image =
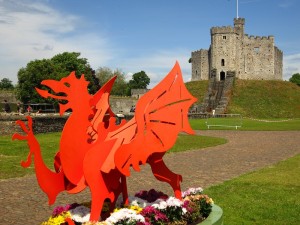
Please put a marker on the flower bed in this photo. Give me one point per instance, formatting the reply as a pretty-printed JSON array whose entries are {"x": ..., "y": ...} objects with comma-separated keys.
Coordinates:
[{"x": 145, "y": 208}]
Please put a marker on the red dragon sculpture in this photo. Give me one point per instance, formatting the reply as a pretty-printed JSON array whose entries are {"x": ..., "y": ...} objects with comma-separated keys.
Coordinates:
[{"x": 94, "y": 152}]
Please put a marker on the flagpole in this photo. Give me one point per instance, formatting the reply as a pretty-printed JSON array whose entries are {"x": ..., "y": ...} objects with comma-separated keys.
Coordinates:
[{"x": 237, "y": 9}]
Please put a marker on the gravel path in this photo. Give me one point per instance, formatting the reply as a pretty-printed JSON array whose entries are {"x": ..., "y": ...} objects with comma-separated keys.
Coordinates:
[{"x": 23, "y": 203}]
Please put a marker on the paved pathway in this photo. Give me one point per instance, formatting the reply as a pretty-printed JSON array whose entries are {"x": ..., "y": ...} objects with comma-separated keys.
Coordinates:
[{"x": 23, "y": 203}]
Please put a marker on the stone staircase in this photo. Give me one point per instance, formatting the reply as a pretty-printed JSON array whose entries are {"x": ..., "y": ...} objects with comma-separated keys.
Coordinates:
[{"x": 218, "y": 94}]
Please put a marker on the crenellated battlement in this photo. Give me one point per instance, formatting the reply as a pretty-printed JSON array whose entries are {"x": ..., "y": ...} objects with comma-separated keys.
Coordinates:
[
  {"x": 221, "y": 30},
  {"x": 252, "y": 37},
  {"x": 200, "y": 51},
  {"x": 239, "y": 21}
]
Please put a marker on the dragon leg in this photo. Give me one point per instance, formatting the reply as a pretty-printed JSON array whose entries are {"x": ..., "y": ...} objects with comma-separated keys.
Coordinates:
[
  {"x": 163, "y": 173},
  {"x": 51, "y": 183},
  {"x": 116, "y": 183},
  {"x": 122, "y": 188},
  {"x": 95, "y": 179},
  {"x": 99, "y": 192}
]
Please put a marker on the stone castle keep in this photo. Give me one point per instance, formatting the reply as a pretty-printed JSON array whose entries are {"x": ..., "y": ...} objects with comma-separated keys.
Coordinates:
[{"x": 248, "y": 57}]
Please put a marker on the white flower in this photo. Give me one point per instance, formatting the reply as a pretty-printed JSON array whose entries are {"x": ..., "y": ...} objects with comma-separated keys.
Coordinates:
[
  {"x": 160, "y": 204},
  {"x": 80, "y": 214},
  {"x": 125, "y": 214},
  {"x": 172, "y": 201},
  {"x": 135, "y": 201},
  {"x": 192, "y": 191}
]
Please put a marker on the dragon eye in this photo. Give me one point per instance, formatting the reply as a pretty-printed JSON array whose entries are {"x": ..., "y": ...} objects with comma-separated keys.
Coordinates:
[{"x": 67, "y": 84}]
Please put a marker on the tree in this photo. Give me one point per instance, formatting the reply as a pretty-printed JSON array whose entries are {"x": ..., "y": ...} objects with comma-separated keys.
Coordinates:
[
  {"x": 295, "y": 79},
  {"x": 120, "y": 85},
  {"x": 55, "y": 68},
  {"x": 68, "y": 62},
  {"x": 30, "y": 77},
  {"x": 6, "y": 83},
  {"x": 139, "y": 80},
  {"x": 104, "y": 74}
]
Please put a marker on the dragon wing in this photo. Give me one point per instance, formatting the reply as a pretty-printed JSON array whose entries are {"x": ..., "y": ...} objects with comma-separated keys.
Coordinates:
[
  {"x": 160, "y": 115},
  {"x": 101, "y": 110}
]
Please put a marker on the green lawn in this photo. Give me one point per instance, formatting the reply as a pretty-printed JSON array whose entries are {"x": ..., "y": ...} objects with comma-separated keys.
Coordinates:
[
  {"x": 13, "y": 152},
  {"x": 268, "y": 196},
  {"x": 247, "y": 124}
]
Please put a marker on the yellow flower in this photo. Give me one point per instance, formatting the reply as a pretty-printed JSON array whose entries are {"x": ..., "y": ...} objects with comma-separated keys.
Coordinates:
[
  {"x": 116, "y": 209},
  {"x": 60, "y": 219},
  {"x": 96, "y": 223},
  {"x": 136, "y": 208}
]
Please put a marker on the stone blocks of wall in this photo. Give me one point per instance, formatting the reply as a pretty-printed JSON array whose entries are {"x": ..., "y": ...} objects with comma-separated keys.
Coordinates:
[
  {"x": 45, "y": 123},
  {"x": 41, "y": 123},
  {"x": 200, "y": 65},
  {"x": 122, "y": 105}
]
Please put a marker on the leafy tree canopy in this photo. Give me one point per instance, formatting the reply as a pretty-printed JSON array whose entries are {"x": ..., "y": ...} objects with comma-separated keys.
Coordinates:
[
  {"x": 295, "y": 79},
  {"x": 55, "y": 68},
  {"x": 139, "y": 80},
  {"x": 6, "y": 83},
  {"x": 104, "y": 74}
]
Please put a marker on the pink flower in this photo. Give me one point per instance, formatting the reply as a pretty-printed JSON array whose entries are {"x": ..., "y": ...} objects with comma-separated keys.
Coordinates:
[{"x": 154, "y": 216}]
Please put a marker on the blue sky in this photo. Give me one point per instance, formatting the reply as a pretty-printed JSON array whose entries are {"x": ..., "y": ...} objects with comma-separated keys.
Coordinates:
[{"x": 135, "y": 35}]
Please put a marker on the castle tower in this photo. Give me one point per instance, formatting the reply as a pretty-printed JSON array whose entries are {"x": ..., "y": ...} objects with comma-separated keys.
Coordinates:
[
  {"x": 239, "y": 24},
  {"x": 254, "y": 58},
  {"x": 223, "y": 50},
  {"x": 200, "y": 64}
]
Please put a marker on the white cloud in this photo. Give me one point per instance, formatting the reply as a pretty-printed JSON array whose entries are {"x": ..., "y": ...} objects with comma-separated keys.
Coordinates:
[
  {"x": 291, "y": 65},
  {"x": 159, "y": 64},
  {"x": 32, "y": 30}
]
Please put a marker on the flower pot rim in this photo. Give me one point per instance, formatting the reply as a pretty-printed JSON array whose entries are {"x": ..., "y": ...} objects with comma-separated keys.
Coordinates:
[{"x": 215, "y": 217}]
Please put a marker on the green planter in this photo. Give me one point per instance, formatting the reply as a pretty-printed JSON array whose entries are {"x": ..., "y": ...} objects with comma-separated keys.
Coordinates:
[{"x": 215, "y": 217}]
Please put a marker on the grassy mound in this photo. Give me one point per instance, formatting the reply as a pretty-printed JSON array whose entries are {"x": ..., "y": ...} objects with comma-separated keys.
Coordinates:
[
  {"x": 258, "y": 98},
  {"x": 265, "y": 99},
  {"x": 198, "y": 89}
]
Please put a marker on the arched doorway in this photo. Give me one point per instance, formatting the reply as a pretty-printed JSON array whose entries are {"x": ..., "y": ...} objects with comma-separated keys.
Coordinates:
[{"x": 222, "y": 75}]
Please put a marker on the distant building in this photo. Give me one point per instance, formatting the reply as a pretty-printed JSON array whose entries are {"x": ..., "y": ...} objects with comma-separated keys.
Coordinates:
[
  {"x": 138, "y": 93},
  {"x": 253, "y": 58}
]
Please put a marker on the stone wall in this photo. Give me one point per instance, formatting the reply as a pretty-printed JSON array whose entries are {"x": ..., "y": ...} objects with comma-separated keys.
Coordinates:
[
  {"x": 7, "y": 95},
  {"x": 278, "y": 62},
  {"x": 138, "y": 93},
  {"x": 258, "y": 57},
  {"x": 122, "y": 105},
  {"x": 118, "y": 104},
  {"x": 200, "y": 65},
  {"x": 43, "y": 123}
]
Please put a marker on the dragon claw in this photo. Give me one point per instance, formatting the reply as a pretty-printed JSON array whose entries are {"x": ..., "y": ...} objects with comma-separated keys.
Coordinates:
[
  {"x": 24, "y": 128},
  {"x": 19, "y": 137}
]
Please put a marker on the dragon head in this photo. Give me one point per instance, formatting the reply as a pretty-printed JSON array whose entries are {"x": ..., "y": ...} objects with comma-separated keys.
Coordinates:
[{"x": 69, "y": 90}]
